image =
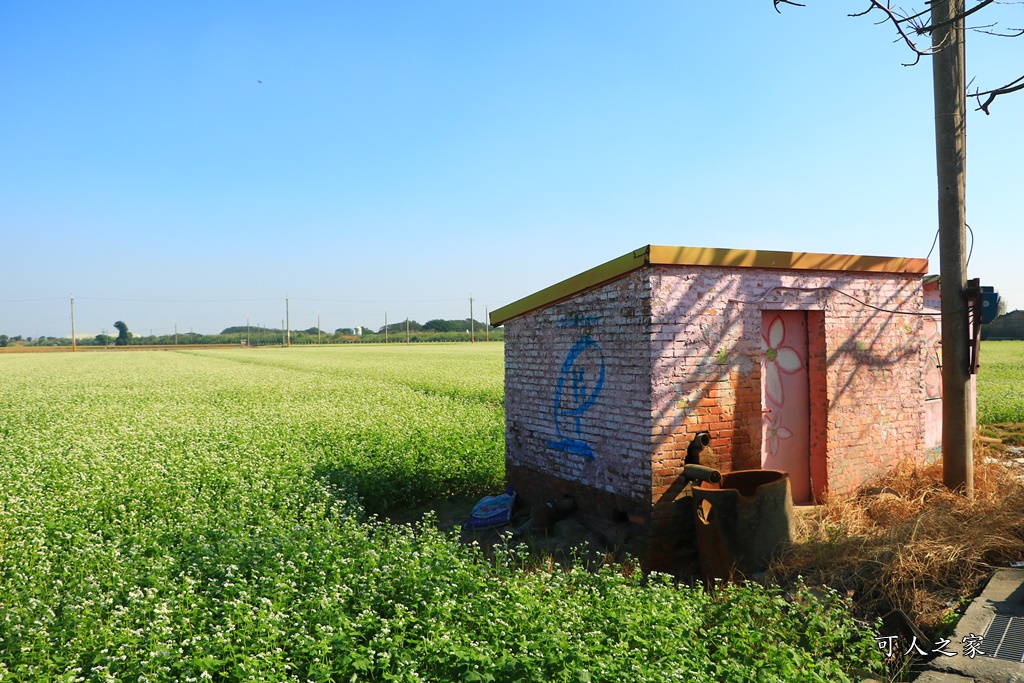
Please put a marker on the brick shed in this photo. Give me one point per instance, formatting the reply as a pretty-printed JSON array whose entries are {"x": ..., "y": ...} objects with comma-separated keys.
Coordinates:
[{"x": 785, "y": 359}]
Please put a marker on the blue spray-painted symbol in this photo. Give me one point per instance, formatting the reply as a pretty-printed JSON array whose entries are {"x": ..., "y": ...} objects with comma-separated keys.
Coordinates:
[{"x": 570, "y": 405}]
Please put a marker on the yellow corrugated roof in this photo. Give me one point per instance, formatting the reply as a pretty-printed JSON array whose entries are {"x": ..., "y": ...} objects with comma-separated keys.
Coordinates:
[{"x": 655, "y": 255}]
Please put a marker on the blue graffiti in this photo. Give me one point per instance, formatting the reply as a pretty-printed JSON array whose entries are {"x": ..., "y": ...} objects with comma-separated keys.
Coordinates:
[
  {"x": 570, "y": 406},
  {"x": 578, "y": 320}
]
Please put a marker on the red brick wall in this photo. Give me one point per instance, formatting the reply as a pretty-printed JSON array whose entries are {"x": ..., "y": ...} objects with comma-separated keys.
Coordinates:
[{"x": 817, "y": 377}]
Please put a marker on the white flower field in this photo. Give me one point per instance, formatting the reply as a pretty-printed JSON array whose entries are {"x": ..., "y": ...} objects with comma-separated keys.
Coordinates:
[{"x": 209, "y": 515}]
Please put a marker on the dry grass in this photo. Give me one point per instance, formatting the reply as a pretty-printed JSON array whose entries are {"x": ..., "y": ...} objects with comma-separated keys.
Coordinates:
[{"x": 906, "y": 541}]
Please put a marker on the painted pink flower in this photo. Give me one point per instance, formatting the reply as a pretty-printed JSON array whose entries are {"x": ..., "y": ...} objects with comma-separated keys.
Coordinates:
[
  {"x": 778, "y": 360},
  {"x": 774, "y": 432}
]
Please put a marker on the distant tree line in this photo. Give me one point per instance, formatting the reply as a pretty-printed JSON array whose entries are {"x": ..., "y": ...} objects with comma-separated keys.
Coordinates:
[
  {"x": 254, "y": 335},
  {"x": 19, "y": 340}
]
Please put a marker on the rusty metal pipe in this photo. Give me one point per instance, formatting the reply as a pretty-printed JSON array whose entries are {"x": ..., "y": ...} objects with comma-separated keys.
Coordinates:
[
  {"x": 702, "y": 473},
  {"x": 701, "y": 440}
]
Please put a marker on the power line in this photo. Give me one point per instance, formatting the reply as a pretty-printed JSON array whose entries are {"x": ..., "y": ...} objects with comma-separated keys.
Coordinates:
[
  {"x": 171, "y": 301},
  {"x": 378, "y": 301},
  {"x": 837, "y": 291}
]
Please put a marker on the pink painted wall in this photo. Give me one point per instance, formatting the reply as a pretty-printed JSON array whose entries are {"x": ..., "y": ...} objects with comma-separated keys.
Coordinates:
[
  {"x": 604, "y": 391},
  {"x": 708, "y": 355}
]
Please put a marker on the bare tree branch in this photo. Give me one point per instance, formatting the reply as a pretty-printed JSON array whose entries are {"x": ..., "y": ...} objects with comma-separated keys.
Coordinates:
[
  {"x": 901, "y": 21},
  {"x": 786, "y": 2},
  {"x": 1017, "y": 32},
  {"x": 913, "y": 17},
  {"x": 910, "y": 25},
  {"x": 1012, "y": 86},
  {"x": 894, "y": 16},
  {"x": 921, "y": 30}
]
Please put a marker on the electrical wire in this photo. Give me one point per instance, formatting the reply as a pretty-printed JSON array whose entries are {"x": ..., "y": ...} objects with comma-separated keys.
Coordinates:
[
  {"x": 219, "y": 301},
  {"x": 174, "y": 301},
  {"x": 934, "y": 242},
  {"x": 380, "y": 301},
  {"x": 838, "y": 291},
  {"x": 969, "y": 251}
]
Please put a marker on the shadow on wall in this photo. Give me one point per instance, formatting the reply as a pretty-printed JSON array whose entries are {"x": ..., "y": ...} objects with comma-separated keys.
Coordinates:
[{"x": 714, "y": 370}]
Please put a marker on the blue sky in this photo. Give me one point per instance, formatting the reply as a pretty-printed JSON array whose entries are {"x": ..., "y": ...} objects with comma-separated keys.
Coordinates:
[{"x": 407, "y": 155}]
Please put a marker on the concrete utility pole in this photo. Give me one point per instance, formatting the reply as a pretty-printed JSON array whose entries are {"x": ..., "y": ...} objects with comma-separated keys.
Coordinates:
[
  {"x": 472, "y": 332},
  {"x": 951, "y": 164},
  {"x": 318, "y": 327},
  {"x": 407, "y": 329},
  {"x": 74, "y": 346},
  {"x": 385, "y": 326},
  {"x": 288, "y": 323},
  {"x": 246, "y": 331},
  {"x": 487, "y": 324}
]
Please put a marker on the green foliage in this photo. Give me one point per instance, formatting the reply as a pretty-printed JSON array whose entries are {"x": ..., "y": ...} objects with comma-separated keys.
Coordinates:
[
  {"x": 204, "y": 524},
  {"x": 400, "y": 327},
  {"x": 123, "y": 336},
  {"x": 431, "y": 336},
  {"x": 759, "y": 634},
  {"x": 437, "y": 325},
  {"x": 453, "y": 325},
  {"x": 1001, "y": 382}
]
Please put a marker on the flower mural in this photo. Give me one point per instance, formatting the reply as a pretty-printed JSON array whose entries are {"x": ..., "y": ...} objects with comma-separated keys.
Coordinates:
[
  {"x": 778, "y": 360},
  {"x": 785, "y": 398},
  {"x": 774, "y": 432}
]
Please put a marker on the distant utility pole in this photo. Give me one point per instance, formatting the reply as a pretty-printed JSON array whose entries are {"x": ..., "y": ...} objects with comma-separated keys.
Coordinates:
[
  {"x": 385, "y": 326},
  {"x": 472, "y": 332},
  {"x": 175, "y": 332},
  {"x": 73, "y": 344},
  {"x": 406, "y": 329},
  {"x": 318, "y": 327},
  {"x": 487, "y": 325},
  {"x": 288, "y": 323},
  {"x": 247, "y": 330}
]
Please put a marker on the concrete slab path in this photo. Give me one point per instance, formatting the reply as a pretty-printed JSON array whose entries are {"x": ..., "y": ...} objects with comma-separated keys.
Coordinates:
[{"x": 988, "y": 643}]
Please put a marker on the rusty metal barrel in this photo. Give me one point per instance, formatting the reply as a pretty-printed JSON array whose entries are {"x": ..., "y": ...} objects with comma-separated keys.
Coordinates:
[{"x": 743, "y": 521}]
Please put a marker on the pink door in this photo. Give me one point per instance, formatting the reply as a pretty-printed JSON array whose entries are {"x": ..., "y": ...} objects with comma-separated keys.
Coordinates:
[{"x": 785, "y": 404}]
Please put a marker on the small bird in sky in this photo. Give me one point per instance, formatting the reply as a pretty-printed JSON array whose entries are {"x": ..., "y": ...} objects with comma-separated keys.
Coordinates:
[{"x": 260, "y": 82}]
